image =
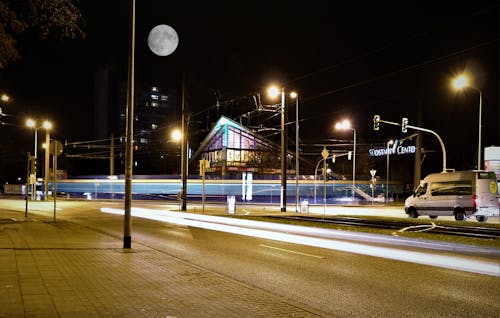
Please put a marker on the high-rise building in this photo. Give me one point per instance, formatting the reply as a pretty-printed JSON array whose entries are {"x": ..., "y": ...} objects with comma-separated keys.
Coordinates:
[{"x": 155, "y": 116}]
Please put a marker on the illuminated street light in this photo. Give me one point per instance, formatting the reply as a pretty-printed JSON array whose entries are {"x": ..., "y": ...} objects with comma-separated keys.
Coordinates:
[
  {"x": 296, "y": 96},
  {"x": 462, "y": 82},
  {"x": 5, "y": 98},
  {"x": 344, "y": 125},
  {"x": 176, "y": 135},
  {"x": 273, "y": 92}
]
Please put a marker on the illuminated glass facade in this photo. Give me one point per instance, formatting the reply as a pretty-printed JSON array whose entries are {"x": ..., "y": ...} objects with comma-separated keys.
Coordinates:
[{"x": 231, "y": 147}]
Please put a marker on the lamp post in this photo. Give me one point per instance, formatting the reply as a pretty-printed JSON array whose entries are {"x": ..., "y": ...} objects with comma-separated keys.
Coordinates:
[
  {"x": 47, "y": 126},
  {"x": 297, "y": 174},
  {"x": 273, "y": 92},
  {"x": 344, "y": 125},
  {"x": 324, "y": 154},
  {"x": 461, "y": 82},
  {"x": 389, "y": 143}
]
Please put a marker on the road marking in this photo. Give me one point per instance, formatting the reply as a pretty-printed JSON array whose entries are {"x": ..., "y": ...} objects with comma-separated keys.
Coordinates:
[{"x": 290, "y": 251}]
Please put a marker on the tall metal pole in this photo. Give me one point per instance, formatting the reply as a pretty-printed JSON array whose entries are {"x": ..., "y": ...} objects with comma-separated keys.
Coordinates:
[
  {"x": 387, "y": 175},
  {"x": 184, "y": 146},
  {"x": 297, "y": 174},
  {"x": 283, "y": 153},
  {"x": 33, "y": 186},
  {"x": 127, "y": 238},
  {"x": 112, "y": 156},
  {"x": 354, "y": 164},
  {"x": 417, "y": 167},
  {"x": 47, "y": 163},
  {"x": 479, "y": 167},
  {"x": 36, "y": 142}
]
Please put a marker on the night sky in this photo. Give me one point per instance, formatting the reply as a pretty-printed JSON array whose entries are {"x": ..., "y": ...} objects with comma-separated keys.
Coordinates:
[{"x": 345, "y": 60}]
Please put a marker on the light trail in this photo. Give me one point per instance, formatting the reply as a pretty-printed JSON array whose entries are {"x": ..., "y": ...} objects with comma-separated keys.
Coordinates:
[{"x": 214, "y": 223}]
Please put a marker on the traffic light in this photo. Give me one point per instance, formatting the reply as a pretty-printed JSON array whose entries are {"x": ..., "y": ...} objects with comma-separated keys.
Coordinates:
[
  {"x": 376, "y": 122},
  {"x": 32, "y": 164},
  {"x": 404, "y": 125},
  {"x": 333, "y": 158},
  {"x": 349, "y": 155}
]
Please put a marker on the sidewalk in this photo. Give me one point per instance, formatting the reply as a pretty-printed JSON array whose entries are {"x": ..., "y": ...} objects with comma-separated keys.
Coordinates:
[{"x": 64, "y": 269}]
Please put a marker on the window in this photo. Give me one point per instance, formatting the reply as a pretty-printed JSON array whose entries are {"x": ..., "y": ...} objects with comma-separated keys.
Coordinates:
[
  {"x": 154, "y": 97},
  {"x": 154, "y": 126},
  {"x": 144, "y": 141},
  {"x": 422, "y": 189},
  {"x": 154, "y": 89},
  {"x": 451, "y": 188},
  {"x": 154, "y": 104},
  {"x": 486, "y": 175},
  {"x": 164, "y": 97}
]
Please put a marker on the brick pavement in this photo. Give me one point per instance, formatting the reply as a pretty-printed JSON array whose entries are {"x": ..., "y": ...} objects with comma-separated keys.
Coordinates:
[{"x": 66, "y": 270}]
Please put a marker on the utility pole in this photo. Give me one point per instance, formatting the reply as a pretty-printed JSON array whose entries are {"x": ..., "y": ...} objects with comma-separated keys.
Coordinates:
[
  {"x": 127, "y": 238},
  {"x": 112, "y": 156},
  {"x": 417, "y": 168},
  {"x": 184, "y": 156},
  {"x": 283, "y": 153}
]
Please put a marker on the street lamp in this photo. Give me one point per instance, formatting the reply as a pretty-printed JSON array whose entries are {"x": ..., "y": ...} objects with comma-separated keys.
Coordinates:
[
  {"x": 47, "y": 126},
  {"x": 176, "y": 135},
  {"x": 344, "y": 125},
  {"x": 389, "y": 143},
  {"x": 296, "y": 96},
  {"x": 273, "y": 93},
  {"x": 461, "y": 82}
]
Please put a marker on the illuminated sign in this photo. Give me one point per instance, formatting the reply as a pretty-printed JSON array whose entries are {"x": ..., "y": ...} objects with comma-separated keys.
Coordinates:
[{"x": 394, "y": 149}]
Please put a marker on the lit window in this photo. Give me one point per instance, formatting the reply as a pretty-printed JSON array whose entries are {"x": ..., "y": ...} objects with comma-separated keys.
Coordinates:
[
  {"x": 154, "y": 97},
  {"x": 154, "y": 126},
  {"x": 164, "y": 97},
  {"x": 122, "y": 115},
  {"x": 154, "y": 89},
  {"x": 136, "y": 118},
  {"x": 144, "y": 141},
  {"x": 154, "y": 104}
]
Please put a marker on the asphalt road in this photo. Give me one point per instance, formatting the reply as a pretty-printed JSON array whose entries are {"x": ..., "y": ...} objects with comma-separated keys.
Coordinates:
[{"x": 340, "y": 283}]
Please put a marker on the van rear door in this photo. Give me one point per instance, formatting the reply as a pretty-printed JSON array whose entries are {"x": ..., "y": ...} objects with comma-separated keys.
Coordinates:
[{"x": 486, "y": 193}]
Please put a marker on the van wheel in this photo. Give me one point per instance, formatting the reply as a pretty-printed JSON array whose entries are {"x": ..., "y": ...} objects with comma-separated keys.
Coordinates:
[
  {"x": 412, "y": 212},
  {"x": 460, "y": 215},
  {"x": 481, "y": 218},
  {"x": 433, "y": 216}
]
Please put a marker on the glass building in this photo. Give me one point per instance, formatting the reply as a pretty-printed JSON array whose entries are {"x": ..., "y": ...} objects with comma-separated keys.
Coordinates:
[{"x": 231, "y": 149}]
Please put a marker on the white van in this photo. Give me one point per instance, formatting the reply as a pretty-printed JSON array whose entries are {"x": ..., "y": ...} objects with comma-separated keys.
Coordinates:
[{"x": 461, "y": 193}]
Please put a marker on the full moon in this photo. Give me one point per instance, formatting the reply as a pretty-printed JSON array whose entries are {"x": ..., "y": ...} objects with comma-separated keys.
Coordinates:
[{"x": 163, "y": 40}]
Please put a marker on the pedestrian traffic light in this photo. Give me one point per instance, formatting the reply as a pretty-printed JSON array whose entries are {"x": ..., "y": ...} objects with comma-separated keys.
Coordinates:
[
  {"x": 404, "y": 125},
  {"x": 376, "y": 122}
]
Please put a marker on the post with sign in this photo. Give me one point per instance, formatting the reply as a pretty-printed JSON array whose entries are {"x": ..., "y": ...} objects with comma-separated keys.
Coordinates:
[
  {"x": 27, "y": 184},
  {"x": 55, "y": 149},
  {"x": 324, "y": 154},
  {"x": 373, "y": 182}
]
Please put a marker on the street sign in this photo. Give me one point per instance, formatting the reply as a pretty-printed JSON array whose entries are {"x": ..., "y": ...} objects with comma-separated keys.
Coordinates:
[
  {"x": 373, "y": 172},
  {"x": 324, "y": 153},
  {"x": 56, "y": 148}
]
